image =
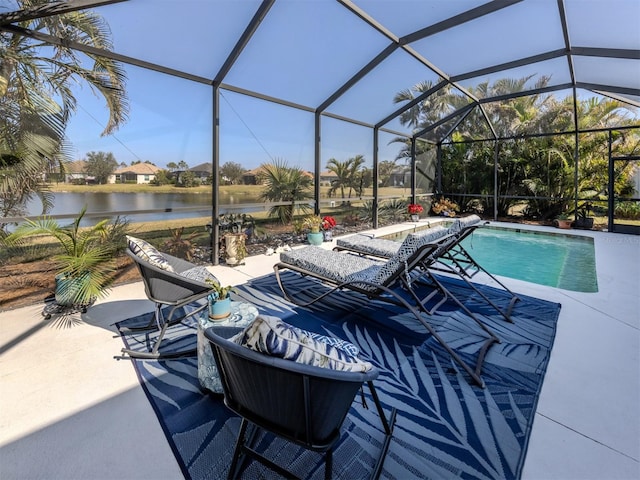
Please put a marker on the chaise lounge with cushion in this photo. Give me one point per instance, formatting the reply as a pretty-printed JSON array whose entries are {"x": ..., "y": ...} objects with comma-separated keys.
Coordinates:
[
  {"x": 381, "y": 279},
  {"x": 454, "y": 259}
]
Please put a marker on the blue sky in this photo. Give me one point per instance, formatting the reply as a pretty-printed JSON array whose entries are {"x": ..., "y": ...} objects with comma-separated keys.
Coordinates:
[{"x": 170, "y": 118}]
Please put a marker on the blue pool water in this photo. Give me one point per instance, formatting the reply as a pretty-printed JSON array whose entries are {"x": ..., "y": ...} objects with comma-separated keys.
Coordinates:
[
  {"x": 561, "y": 261},
  {"x": 556, "y": 260}
]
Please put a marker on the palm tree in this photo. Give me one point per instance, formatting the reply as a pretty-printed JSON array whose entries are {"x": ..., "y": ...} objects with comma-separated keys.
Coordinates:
[
  {"x": 36, "y": 98},
  {"x": 347, "y": 174},
  {"x": 385, "y": 170},
  {"x": 285, "y": 184}
]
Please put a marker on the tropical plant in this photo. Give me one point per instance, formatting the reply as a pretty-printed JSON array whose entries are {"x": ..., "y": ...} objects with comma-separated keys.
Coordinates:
[
  {"x": 313, "y": 223},
  {"x": 100, "y": 165},
  {"x": 36, "y": 97},
  {"x": 86, "y": 261},
  {"x": 393, "y": 210},
  {"x": 180, "y": 245},
  {"x": 285, "y": 184},
  {"x": 220, "y": 292},
  {"x": 445, "y": 207},
  {"x": 541, "y": 169},
  {"x": 349, "y": 175}
]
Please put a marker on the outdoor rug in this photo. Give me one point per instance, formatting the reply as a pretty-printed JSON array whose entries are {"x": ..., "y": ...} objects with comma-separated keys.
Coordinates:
[{"x": 446, "y": 427}]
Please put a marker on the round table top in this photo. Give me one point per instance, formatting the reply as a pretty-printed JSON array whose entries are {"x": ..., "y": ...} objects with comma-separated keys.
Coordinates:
[{"x": 242, "y": 314}]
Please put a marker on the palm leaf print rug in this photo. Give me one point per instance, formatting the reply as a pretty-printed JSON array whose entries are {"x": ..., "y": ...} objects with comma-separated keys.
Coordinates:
[{"x": 446, "y": 427}]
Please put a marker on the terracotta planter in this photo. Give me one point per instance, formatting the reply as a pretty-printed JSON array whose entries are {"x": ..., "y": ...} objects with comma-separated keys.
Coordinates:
[{"x": 563, "y": 224}]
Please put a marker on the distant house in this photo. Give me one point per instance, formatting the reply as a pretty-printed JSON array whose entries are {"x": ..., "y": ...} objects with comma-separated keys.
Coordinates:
[
  {"x": 202, "y": 171},
  {"x": 327, "y": 177},
  {"x": 250, "y": 177},
  {"x": 400, "y": 177},
  {"x": 138, "y": 173},
  {"x": 75, "y": 172}
]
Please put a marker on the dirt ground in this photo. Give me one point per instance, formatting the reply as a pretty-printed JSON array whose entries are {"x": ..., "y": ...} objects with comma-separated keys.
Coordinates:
[{"x": 27, "y": 284}]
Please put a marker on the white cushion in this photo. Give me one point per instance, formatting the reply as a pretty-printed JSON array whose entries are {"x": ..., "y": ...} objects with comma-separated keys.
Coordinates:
[
  {"x": 148, "y": 253},
  {"x": 272, "y": 336}
]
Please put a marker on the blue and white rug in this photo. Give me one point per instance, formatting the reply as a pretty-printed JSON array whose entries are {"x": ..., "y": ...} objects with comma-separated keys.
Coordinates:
[{"x": 445, "y": 428}]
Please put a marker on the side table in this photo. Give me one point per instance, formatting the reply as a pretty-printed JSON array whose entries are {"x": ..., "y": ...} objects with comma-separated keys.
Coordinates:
[{"x": 242, "y": 314}]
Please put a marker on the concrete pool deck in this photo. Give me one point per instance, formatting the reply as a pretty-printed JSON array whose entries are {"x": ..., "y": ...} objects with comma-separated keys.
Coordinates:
[{"x": 69, "y": 410}]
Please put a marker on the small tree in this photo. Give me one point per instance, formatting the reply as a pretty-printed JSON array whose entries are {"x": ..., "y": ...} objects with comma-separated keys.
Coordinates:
[
  {"x": 188, "y": 179},
  {"x": 100, "y": 165},
  {"x": 285, "y": 184},
  {"x": 232, "y": 172},
  {"x": 162, "y": 178}
]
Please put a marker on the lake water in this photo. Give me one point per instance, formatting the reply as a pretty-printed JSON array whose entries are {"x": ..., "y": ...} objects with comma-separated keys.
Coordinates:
[{"x": 164, "y": 206}]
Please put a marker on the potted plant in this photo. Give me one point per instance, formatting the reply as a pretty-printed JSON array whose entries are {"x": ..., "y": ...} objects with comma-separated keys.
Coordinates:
[
  {"x": 583, "y": 218},
  {"x": 86, "y": 262},
  {"x": 235, "y": 250},
  {"x": 328, "y": 223},
  {"x": 563, "y": 221},
  {"x": 219, "y": 299},
  {"x": 314, "y": 224},
  {"x": 415, "y": 209},
  {"x": 445, "y": 207}
]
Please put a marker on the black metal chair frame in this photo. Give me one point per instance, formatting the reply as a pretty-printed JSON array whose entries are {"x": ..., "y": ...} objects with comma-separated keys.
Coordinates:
[
  {"x": 424, "y": 255},
  {"x": 166, "y": 288},
  {"x": 303, "y": 404},
  {"x": 460, "y": 263}
]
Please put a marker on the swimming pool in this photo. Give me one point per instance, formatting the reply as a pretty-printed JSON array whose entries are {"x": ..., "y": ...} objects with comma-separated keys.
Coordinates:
[
  {"x": 562, "y": 261},
  {"x": 556, "y": 260}
]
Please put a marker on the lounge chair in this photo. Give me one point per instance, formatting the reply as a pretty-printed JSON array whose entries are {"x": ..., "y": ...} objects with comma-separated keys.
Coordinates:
[
  {"x": 378, "y": 279},
  {"x": 168, "y": 281},
  {"x": 301, "y": 403},
  {"x": 455, "y": 259}
]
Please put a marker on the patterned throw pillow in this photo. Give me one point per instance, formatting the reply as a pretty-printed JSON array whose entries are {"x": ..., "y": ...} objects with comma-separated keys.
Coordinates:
[
  {"x": 348, "y": 347},
  {"x": 272, "y": 336},
  {"x": 148, "y": 253},
  {"x": 199, "y": 274}
]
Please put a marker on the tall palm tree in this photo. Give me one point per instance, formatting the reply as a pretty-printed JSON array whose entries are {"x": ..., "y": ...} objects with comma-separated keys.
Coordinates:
[
  {"x": 348, "y": 174},
  {"x": 283, "y": 183},
  {"x": 36, "y": 97}
]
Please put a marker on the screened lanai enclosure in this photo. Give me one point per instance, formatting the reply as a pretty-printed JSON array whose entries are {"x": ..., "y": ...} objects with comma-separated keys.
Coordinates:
[{"x": 510, "y": 108}]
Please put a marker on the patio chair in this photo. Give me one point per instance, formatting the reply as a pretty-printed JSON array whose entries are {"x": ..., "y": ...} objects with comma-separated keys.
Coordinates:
[
  {"x": 454, "y": 260},
  {"x": 303, "y": 404},
  {"x": 168, "y": 281},
  {"x": 377, "y": 279}
]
